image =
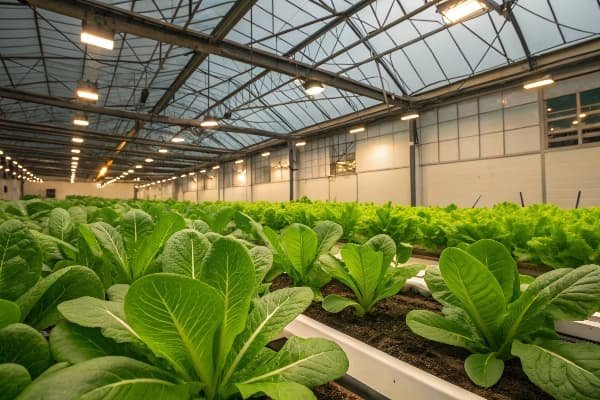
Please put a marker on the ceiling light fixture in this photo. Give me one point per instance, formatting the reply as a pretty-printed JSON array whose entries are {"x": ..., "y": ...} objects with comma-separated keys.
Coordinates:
[
  {"x": 138, "y": 166},
  {"x": 81, "y": 120},
  {"x": 77, "y": 140},
  {"x": 409, "y": 116},
  {"x": 216, "y": 167},
  {"x": 94, "y": 32},
  {"x": 178, "y": 140},
  {"x": 76, "y": 151},
  {"x": 300, "y": 143},
  {"x": 192, "y": 174},
  {"x": 266, "y": 154},
  {"x": 202, "y": 171},
  {"x": 313, "y": 88},
  {"x": 545, "y": 81},
  {"x": 209, "y": 122},
  {"x": 103, "y": 171},
  {"x": 238, "y": 161},
  {"x": 454, "y": 11},
  {"x": 75, "y": 158},
  {"x": 163, "y": 151},
  {"x": 149, "y": 160},
  {"x": 357, "y": 129},
  {"x": 87, "y": 91}
]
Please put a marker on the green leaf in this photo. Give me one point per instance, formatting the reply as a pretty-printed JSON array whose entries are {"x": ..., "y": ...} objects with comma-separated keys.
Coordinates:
[
  {"x": 442, "y": 329},
  {"x": 117, "y": 292},
  {"x": 269, "y": 315},
  {"x": 300, "y": 243},
  {"x": 497, "y": 258},
  {"x": 403, "y": 252},
  {"x": 111, "y": 242},
  {"x": 23, "y": 345},
  {"x": 60, "y": 224},
  {"x": 365, "y": 267},
  {"x": 78, "y": 214},
  {"x": 262, "y": 258},
  {"x": 21, "y": 261},
  {"x": 385, "y": 245},
  {"x": 9, "y": 313},
  {"x": 276, "y": 390},
  {"x": 198, "y": 225},
  {"x": 185, "y": 315},
  {"x": 328, "y": 234},
  {"x": 484, "y": 370},
  {"x": 167, "y": 224},
  {"x": 576, "y": 295},
  {"x": 136, "y": 225},
  {"x": 74, "y": 343},
  {"x": 109, "y": 316},
  {"x": 38, "y": 305},
  {"x": 570, "y": 294},
  {"x": 395, "y": 279},
  {"x": 108, "y": 378},
  {"x": 309, "y": 362},
  {"x": 475, "y": 287},
  {"x": 13, "y": 379},
  {"x": 228, "y": 268},
  {"x": 333, "y": 267},
  {"x": 335, "y": 303},
  {"x": 184, "y": 252},
  {"x": 437, "y": 287},
  {"x": 564, "y": 370}
]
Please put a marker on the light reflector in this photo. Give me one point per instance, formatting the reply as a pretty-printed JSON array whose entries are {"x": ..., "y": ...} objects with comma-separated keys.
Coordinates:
[
  {"x": 209, "y": 122},
  {"x": 409, "y": 116}
]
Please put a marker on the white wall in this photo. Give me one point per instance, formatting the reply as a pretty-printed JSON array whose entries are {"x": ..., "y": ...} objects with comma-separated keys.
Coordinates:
[
  {"x": 13, "y": 189},
  {"x": 496, "y": 180},
  {"x": 64, "y": 189},
  {"x": 278, "y": 191},
  {"x": 568, "y": 171}
]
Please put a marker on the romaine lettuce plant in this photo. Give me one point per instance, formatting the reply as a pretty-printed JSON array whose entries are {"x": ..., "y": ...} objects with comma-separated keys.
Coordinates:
[
  {"x": 130, "y": 249},
  {"x": 367, "y": 270},
  {"x": 486, "y": 313},
  {"x": 205, "y": 330}
]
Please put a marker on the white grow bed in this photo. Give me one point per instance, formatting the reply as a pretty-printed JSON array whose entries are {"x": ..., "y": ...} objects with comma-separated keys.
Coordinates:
[{"x": 381, "y": 372}]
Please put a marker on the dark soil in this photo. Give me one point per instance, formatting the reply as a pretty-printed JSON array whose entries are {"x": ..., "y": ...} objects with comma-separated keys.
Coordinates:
[
  {"x": 386, "y": 330},
  {"x": 334, "y": 391}
]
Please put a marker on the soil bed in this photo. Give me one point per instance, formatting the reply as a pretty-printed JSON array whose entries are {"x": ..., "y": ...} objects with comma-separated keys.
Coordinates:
[
  {"x": 386, "y": 330},
  {"x": 334, "y": 391}
]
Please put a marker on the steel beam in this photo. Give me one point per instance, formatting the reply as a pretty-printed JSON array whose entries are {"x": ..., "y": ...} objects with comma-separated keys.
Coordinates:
[
  {"x": 235, "y": 14},
  {"x": 101, "y": 136},
  {"x": 29, "y": 97},
  {"x": 136, "y": 24}
]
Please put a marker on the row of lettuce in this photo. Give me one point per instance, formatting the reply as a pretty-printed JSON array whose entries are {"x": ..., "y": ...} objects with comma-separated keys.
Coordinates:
[
  {"x": 539, "y": 234},
  {"x": 102, "y": 300}
]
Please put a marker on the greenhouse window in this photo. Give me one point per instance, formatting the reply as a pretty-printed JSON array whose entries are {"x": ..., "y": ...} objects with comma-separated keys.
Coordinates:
[
  {"x": 343, "y": 155},
  {"x": 573, "y": 119}
]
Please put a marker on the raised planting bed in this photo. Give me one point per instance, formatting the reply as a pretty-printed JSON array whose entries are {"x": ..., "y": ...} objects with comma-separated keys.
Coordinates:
[{"x": 385, "y": 329}]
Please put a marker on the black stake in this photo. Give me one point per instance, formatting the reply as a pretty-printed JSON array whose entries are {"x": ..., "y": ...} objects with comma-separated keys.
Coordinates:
[
  {"x": 578, "y": 198},
  {"x": 476, "y": 201},
  {"x": 522, "y": 201}
]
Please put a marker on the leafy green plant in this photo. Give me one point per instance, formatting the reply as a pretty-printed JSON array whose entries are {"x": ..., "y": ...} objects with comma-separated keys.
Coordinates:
[
  {"x": 298, "y": 248},
  {"x": 367, "y": 270},
  {"x": 204, "y": 332},
  {"x": 486, "y": 313},
  {"x": 132, "y": 248}
]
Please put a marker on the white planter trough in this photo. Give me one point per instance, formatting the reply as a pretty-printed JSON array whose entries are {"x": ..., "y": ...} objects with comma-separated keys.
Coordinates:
[{"x": 381, "y": 372}]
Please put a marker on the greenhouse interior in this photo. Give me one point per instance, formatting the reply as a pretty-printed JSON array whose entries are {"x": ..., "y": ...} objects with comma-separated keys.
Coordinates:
[{"x": 300, "y": 199}]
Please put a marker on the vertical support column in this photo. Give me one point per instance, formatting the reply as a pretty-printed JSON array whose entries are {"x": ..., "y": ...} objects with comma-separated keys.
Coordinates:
[
  {"x": 292, "y": 155},
  {"x": 412, "y": 143}
]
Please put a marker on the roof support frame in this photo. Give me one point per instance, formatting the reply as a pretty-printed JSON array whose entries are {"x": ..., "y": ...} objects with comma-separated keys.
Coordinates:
[
  {"x": 136, "y": 116},
  {"x": 157, "y": 30}
]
